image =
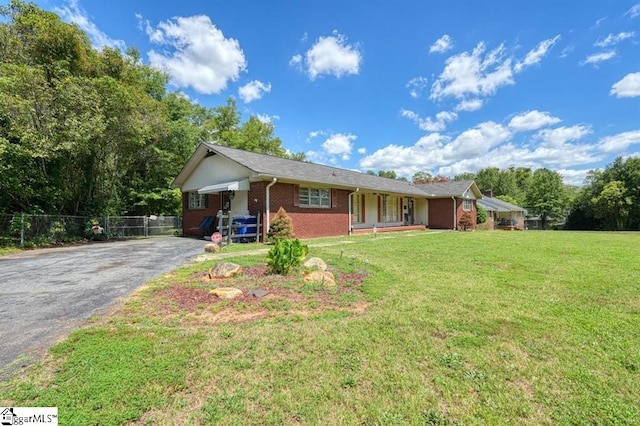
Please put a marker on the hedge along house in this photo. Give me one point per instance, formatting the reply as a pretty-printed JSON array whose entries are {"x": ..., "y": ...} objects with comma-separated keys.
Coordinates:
[
  {"x": 449, "y": 201},
  {"x": 318, "y": 198}
]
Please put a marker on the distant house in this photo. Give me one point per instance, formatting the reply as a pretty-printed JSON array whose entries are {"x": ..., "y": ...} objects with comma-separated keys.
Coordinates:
[
  {"x": 502, "y": 215},
  {"x": 321, "y": 200}
]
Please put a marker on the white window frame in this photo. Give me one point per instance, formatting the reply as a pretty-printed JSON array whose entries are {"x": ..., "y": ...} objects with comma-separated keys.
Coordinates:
[
  {"x": 312, "y": 197},
  {"x": 391, "y": 208},
  {"x": 467, "y": 205},
  {"x": 197, "y": 201}
]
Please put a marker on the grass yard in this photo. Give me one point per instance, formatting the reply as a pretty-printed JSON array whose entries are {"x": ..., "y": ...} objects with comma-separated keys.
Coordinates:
[{"x": 423, "y": 328}]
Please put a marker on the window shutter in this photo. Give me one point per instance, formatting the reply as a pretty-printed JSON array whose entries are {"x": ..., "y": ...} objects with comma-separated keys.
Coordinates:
[
  {"x": 296, "y": 195},
  {"x": 334, "y": 198},
  {"x": 362, "y": 216},
  {"x": 400, "y": 214},
  {"x": 185, "y": 200},
  {"x": 206, "y": 201},
  {"x": 379, "y": 208}
]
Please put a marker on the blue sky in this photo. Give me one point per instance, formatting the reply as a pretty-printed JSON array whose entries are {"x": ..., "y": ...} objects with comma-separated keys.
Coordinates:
[{"x": 443, "y": 87}]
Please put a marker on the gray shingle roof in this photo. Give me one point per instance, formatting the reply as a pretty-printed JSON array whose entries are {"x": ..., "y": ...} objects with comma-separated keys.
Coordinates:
[
  {"x": 496, "y": 205},
  {"x": 269, "y": 166},
  {"x": 453, "y": 188}
]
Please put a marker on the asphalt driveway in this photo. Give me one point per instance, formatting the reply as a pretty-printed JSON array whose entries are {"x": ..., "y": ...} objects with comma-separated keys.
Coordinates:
[{"x": 44, "y": 294}]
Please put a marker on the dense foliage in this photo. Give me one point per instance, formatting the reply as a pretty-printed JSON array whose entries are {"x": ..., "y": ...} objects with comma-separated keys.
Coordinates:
[
  {"x": 281, "y": 227},
  {"x": 96, "y": 132},
  {"x": 286, "y": 255},
  {"x": 610, "y": 199}
]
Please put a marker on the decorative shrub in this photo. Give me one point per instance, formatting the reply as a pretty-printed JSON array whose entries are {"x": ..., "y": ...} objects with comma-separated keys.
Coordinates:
[
  {"x": 481, "y": 214},
  {"x": 466, "y": 222},
  {"x": 286, "y": 255},
  {"x": 281, "y": 227}
]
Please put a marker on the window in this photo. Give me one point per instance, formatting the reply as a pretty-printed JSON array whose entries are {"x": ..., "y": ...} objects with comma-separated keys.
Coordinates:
[
  {"x": 315, "y": 197},
  {"x": 356, "y": 208},
  {"x": 197, "y": 201},
  {"x": 390, "y": 208},
  {"x": 467, "y": 205}
]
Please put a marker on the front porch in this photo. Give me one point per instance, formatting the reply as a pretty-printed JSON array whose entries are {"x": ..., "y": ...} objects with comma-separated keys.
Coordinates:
[{"x": 380, "y": 229}]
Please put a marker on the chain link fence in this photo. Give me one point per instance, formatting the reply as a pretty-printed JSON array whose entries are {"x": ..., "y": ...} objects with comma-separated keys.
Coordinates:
[{"x": 33, "y": 230}]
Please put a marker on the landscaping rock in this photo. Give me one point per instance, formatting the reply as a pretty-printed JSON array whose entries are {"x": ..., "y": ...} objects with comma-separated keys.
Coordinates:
[
  {"x": 226, "y": 292},
  {"x": 212, "y": 248},
  {"x": 225, "y": 270},
  {"x": 315, "y": 263},
  {"x": 320, "y": 277}
]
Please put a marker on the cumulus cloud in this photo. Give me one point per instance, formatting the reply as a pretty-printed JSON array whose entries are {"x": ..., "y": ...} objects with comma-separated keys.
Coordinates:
[
  {"x": 362, "y": 151},
  {"x": 469, "y": 105},
  {"x": 437, "y": 124},
  {"x": 442, "y": 44},
  {"x": 475, "y": 73},
  {"x": 561, "y": 135},
  {"x": 416, "y": 86},
  {"x": 573, "y": 176},
  {"x": 330, "y": 55},
  {"x": 613, "y": 39},
  {"x": 532, "y": 120},
  {"x": 628, "y": 87},
  {"x": 74, "y": 13},
  {"x": 534, "y": 56},
  {"x": 253, "y": 91},
  {"x": 596, "y": 58},
  {"x": 267, "y": 119},
  {"x": 195, "y": 53},
  {"x": 618, "y": 143},
  {"x": 339, "y": 144}
]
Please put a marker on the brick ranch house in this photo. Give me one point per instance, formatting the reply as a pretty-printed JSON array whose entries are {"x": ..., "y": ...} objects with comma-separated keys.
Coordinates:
[{"x": 318, "y": 198}]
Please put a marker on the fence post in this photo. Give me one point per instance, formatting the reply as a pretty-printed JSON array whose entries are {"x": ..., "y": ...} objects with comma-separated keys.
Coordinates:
[
  {"x": 146, "y": 225},
  {"x": 22, "y": 230},
  {"x": 106, "y": 227}
]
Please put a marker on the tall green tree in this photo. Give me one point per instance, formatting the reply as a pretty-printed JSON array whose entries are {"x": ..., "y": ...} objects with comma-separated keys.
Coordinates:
[{"x": 546, "y": 197}]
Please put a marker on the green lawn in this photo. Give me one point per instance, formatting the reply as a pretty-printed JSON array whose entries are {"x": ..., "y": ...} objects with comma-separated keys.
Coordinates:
[{"x": 459, "y": 328}]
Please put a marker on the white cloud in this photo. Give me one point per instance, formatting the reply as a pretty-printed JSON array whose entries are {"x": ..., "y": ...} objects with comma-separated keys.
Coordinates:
[
  {"x": 74, "y": 13},
  {"x": 628, "y": 87},
  {"x": 532, "y": 120},
  {"x": 477, "y": 141},
  {"x": 267, "y": 119},
  {"x": 620, "y": 142},
  {"x": 473, "y": 74},
  {"x": 442, "y": 44},
  {"x": 362, "y": 151},
  {"x": 469, "y": 105},
  {"x": 196, "y": 53},
  {"x": 416, "y": 86},
  {"x": 429, "y": 124},
  {"x": 253, "y": 91},
  {"x": 634, "y": 11},
  {"x": 574, "y": 177},
  {"x": 613, "y": 39},
  {"x": 330, "y": 55},
  {"x": 339, "y": 144},
  {"x": 596, "y": 58},
  {"x": 296, "y": 61},
  {"x": 565, "y": 52},
  {"x": 534, "y": 56},
  {"x": 561, "y": 135}
]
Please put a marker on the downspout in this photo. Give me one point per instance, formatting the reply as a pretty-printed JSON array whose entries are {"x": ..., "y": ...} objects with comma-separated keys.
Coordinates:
[
  {"x": 357, "y": 189},
  {"x": 267, "y": 219},
  {"x": 455, "y": 213}
]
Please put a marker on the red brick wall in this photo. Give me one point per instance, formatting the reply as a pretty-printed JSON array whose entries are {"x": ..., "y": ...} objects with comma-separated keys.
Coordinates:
[
  {"x": 311, "y": 222},
  {"x": 461, "y": 211},
  {"x": 307, "y": 222},
  {"x": 441, "y": 213},
  {"x": 191, "y": 217}
]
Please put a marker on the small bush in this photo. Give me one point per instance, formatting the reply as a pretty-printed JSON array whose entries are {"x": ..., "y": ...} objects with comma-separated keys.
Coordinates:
[
  {"x": 466, "y": 222},
  {"x": 286, "y": 255},
  {"x": 281, "y": 227},
  {"x": 481, "y": 215}
]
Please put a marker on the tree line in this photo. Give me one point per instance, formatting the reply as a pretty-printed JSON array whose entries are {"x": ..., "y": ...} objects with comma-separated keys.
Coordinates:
[{"x": 87, "y": 132}]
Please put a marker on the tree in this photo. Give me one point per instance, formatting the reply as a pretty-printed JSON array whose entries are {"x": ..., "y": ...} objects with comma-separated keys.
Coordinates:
[
  {"x": 481, "y": 214},
  {"x": 546, "y": 197},
  {"x": 613, "y": 205}
]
